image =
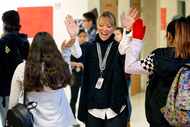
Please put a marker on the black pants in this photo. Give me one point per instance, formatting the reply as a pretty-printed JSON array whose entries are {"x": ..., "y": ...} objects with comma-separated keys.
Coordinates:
[
  {"x": 78, "y": 79},
  {"x": 118, "y": 121},
  {"x": 74, "y": 96}
]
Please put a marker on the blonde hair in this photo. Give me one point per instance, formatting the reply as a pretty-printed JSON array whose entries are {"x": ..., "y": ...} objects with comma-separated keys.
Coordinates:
[
  {"x": 182, "y": 38},
  {"x": 109, "y": 15}
]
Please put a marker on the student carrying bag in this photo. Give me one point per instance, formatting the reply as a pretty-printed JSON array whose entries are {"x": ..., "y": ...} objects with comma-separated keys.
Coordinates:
[
  {"x": 177, "y": 108},
  {"x": 20, "y": 115}
]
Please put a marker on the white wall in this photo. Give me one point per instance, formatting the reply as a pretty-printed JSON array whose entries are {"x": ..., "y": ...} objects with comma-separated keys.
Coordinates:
[
  {"x": 123, "y": 6},
  {"x": 61, "y": 9},
  {"x": 187, "y": 7},
  {"x": 171, "y": 12},
  {"x": 94, "y": 4}
]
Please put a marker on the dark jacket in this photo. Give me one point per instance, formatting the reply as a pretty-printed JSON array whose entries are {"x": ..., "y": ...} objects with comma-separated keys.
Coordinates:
[
  {"x": 165, "y": 69},
  {"x": 114, "y": 91},
  {"x": 92, "y": 33},
  {"x": 78, "y": 76},
  {"x": 13, "y": 49}
]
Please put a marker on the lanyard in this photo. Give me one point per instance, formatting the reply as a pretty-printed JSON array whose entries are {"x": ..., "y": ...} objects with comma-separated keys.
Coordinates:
[{"x": 102, "y": 62}]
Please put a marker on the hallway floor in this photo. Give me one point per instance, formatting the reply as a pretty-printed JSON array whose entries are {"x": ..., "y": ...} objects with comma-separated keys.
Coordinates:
[{"x": 138, "y": 118}]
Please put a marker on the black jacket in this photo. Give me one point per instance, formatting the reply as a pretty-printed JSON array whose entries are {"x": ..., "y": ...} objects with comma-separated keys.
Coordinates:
[
  {"x": 114, "y": 92},
  {"x": 13, "y": 49},
  {"x": 78, "y": 76},
  {"x": 165, "y": 69}
]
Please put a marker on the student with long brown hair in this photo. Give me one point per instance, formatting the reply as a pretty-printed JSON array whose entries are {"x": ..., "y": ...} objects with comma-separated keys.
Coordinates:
[
  {"x": 161, "y": 66},
  {"x": 43, "y": 77}
]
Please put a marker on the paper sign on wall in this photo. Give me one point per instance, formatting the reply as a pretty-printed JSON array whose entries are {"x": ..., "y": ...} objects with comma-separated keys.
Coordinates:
[
  {"x": 36, "y": 19},
  {"x": 163, "y": 18}
]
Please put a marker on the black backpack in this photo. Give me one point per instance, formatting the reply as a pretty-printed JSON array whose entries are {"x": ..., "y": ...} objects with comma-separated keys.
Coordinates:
[{"x": 20, "y": 115}]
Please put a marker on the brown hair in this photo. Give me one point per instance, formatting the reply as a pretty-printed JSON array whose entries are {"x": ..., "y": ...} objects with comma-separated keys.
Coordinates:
[
  {"x": 45, "y": 65},
  {"x": 182, "y": 38},
  {"x": 170, "y": 32},
  {"x": 110, "y": 16},
  {"x": 11, "y": 21},
  {"x": 120, "y": 29},
  {"x": 91, "y": 15}
]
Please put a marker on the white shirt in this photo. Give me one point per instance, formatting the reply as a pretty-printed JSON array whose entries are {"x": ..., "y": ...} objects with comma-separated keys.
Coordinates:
[
  {"x": 132, "y": 48},
  {"x": 106, "y": 113}
]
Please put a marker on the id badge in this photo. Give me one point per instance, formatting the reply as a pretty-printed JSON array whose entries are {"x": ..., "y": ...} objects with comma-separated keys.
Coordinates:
[{"x": 99, "y": 83}]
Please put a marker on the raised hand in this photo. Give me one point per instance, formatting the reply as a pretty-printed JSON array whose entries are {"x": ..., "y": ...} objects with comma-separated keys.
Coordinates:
[
  {"x": 67, "y": 44},
  {"x": 127, "y": 19},
  {"x": 138, "y": 29},
  {"x": 77, "y": 65},
  {"x": 80, "y": 65},
  {"x": 71, "y": 26}
]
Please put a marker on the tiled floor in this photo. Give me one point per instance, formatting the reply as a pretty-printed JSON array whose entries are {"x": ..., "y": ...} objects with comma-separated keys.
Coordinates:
[{"x": 138, "y": 113}]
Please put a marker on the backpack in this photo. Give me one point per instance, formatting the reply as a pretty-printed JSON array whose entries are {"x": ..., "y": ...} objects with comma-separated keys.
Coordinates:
[
  {"x": 177, "y": 108},
  {"x": 19, "y": 116}
]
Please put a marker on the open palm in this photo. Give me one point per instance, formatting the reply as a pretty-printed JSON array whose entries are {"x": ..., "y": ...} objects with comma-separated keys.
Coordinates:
[
  {"x": 71, "y": 26},
  {"x": 127, "y": 19}
]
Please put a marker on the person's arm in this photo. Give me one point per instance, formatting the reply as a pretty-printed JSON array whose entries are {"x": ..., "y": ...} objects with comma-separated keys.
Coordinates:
[
  {"x": 76, "y": 50},
  {"x": 73, "y": 43},
  {"x": 124, "y": 43},
  {"x": 127, "y": 21},
  {"x": 17, "y": 87},
  {"x": 66, "y": 53},
  {"x": 132, "y": 63},
  {"x": 77, "y": 65},
  {"x": 69, "y": 48}
]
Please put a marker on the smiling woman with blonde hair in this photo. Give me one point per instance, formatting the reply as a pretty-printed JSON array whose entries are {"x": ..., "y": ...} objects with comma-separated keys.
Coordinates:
[{"x": 104, "y": 100}]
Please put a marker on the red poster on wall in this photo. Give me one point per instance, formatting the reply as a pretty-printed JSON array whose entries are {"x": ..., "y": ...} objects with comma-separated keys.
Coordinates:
[
  {"x": 36, "y": 19},
  {"x": 163, "y": 18}
]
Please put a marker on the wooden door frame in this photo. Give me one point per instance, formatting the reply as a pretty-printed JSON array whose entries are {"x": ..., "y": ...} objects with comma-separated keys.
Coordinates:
[{"x": 112, "y": 6}]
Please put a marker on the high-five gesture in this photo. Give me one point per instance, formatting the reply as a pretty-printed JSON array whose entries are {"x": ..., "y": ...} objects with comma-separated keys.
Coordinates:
[
  {"x": 71, "y": 26},
  {"x": 138, "y": 29},
  {"x": 128, "y": 19}
]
